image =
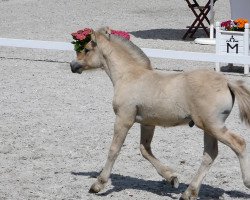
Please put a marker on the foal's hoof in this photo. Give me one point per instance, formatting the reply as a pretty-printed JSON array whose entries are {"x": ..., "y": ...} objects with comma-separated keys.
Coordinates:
[
  {"x": 247, "y": 183},
  {"x": 188, "y": 196},
  {"x": 174, "y": 182},
  {"x": 96, "y": 187}
]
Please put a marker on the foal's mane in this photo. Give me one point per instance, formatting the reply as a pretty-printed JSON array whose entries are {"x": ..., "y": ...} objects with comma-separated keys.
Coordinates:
[{"x": 130, "y": 47}]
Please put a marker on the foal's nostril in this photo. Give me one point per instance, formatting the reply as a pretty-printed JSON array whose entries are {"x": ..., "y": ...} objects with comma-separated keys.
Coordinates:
[{"x": 74, "y": 66}]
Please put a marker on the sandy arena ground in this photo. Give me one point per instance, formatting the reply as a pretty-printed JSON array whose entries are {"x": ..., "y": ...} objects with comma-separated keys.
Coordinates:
[{"x": 56, "y": 127}]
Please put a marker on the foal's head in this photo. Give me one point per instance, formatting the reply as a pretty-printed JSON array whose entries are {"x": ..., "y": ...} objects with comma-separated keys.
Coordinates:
[
  {"x": 88, "y": 57},
  {"x": 91, "y": 54}
]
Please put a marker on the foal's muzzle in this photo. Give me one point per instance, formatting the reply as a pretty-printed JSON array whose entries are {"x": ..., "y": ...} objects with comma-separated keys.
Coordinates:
[{"x": 76, "y": 67}]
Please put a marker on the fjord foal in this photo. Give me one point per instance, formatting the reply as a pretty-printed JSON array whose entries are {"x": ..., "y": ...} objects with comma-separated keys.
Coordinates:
[{"x": 204, "y": 98}]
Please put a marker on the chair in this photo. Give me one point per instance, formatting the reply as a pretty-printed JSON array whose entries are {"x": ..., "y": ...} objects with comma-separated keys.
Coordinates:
[{"x": 200, "y": 13}]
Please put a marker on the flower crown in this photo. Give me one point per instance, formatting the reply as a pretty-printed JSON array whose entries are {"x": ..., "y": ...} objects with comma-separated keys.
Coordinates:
[
  {"x": 234, "y": 25},
  {"x": 82, "y": 37}
]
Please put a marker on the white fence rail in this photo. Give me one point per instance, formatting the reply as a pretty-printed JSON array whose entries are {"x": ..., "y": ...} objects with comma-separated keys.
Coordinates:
[{"x": 156, "y": 53}]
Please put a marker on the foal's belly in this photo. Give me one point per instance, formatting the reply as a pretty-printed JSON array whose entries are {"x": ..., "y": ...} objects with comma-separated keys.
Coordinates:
[{"x": 162, "y": 116}]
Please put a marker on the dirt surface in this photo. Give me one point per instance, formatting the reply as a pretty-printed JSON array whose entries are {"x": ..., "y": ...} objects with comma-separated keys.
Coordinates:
[{"x": 56, "y": 127}]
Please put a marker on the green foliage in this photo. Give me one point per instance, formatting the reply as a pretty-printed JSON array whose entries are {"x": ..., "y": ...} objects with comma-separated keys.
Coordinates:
[{"x": 79, "y": 45}]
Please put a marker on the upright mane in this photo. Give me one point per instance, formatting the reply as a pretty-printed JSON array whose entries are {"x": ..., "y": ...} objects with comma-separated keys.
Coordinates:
[{"x": 131, "y": 48}]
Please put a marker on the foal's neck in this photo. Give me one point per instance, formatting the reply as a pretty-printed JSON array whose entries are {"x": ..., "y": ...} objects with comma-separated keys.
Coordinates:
[{"x": 119, "y": 62}]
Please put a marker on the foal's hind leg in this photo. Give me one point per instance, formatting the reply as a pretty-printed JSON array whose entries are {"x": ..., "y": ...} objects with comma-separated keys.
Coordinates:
[
  {"x": 147, "y": 133},
  {"x": 209, "y": 155},
  {"x": 238, "y": 145}
]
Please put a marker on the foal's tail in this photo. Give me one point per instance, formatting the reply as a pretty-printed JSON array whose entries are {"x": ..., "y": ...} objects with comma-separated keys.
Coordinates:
[{"x": 243, "y": 97}]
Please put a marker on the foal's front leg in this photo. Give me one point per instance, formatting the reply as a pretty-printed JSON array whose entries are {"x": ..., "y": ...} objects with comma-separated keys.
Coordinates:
[
  {"x": 122, "y": 125},
  {"x": 147, "y": 133}
]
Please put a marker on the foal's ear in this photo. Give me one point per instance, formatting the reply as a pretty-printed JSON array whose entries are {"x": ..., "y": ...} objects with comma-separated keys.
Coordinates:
[
  {"x": 108, "y": 30},
  {"x": 93, "y": 36}
]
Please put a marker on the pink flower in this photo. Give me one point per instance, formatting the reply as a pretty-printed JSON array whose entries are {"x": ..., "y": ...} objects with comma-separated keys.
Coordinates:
[
  {"x": 81, "y": 34},
  {"x": 82, "y": 37},
  {"x": 121, "y": 34},
  {"x": 87, "y": 31},
  {"x": 226, "y": 23},
  {"x": 229, "y": 25}
]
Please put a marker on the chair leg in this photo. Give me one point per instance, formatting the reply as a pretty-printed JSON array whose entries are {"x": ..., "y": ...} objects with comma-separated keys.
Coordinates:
[{"x": 200, "y": 18}]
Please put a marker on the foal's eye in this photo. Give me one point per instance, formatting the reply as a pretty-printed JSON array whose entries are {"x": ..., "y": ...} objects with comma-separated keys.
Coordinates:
[{"x": 86, "y": 50}]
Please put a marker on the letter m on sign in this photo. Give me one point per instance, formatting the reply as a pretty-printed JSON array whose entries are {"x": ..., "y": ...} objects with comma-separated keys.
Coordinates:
[{"x": 236, "y": 46}]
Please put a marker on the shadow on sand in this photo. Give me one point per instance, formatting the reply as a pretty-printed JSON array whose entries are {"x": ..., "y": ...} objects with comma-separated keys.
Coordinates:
[
  {"x": 166, "y": 34},
  {"x": 233, "y": 69},
  {"x": 160, "y": 188}
]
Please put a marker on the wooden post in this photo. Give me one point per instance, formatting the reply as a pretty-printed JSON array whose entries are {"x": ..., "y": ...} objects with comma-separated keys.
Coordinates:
[
  {"x": 218, "y": 36},
  {"x": 246, "y": 47}
]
